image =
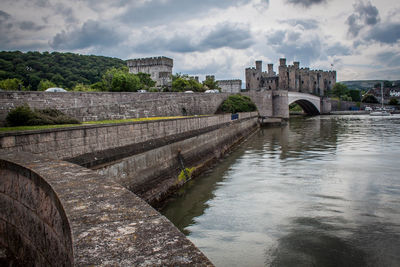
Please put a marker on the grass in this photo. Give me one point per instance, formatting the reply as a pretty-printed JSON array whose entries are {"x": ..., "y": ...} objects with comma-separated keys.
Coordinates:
[{"x": 45, "y": 127}]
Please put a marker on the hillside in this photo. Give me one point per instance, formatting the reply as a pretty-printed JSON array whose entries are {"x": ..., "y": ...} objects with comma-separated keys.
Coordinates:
[
  {"x": 63, "y": 69},
  {"x": 366, "y": 84}
]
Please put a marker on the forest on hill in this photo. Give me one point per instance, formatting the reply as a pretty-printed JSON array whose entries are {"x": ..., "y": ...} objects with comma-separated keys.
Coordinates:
[{"x": 64, "y": 70}]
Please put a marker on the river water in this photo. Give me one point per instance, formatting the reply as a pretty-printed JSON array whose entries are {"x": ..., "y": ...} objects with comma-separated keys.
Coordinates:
[{"x": 322, "y": 191}]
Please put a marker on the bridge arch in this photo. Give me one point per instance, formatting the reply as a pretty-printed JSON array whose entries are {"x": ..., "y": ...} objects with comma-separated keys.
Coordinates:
[{"x": 311, "y": 104}]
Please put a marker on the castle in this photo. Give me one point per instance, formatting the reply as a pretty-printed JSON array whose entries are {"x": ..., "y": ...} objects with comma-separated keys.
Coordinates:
[
  {"x": 291, "y": 78},
  {"x": 159, "y": 68}
]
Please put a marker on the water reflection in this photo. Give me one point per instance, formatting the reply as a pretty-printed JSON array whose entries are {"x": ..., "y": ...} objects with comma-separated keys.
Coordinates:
[{"x": 323, "y": 191}]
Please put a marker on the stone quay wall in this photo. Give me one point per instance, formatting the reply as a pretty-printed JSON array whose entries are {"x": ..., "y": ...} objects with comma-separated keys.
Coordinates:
[
  {"x": 74, "y": 142},
  {"x": 154, "y": 173}
]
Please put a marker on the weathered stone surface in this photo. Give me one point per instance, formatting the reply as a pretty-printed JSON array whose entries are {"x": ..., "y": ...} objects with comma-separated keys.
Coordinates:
[{"x": 55, "y": 213}]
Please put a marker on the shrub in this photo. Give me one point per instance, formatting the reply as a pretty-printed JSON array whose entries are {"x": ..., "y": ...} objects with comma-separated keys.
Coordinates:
[
  {"x": 369, "y": 99},
  {"x": 393, "y": 101},
  {"x": 24, "y": 116},
  {"x": 237, "y": 103},
  {"x": 20, "y": 116}
]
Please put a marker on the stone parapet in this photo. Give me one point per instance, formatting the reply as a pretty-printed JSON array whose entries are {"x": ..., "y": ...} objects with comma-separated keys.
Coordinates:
[{"x": 54, "y": 213}]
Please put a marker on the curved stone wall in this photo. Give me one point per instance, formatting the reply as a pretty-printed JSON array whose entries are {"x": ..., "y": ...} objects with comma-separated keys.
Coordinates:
[
  {"x": 33, "y": 226},
  {"x": 55, "y": 213}
]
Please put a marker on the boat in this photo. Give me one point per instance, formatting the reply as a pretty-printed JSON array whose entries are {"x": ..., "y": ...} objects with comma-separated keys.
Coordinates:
[{"x": 380, "y": 111}]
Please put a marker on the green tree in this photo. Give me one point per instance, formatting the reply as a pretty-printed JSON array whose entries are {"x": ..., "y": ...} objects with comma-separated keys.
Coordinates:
[
  {"x": 339, "y": 89},
  {"x": 237, "y": 103},
  {"x": 45, "y": 84},
  {"x": 181, "y": 83},
  {"x": 11, "y": 84},
  {"x": 355, "y": 95},
  {"x": 145, "y": 80},
  {"x": 393, "y": 101},
  {"x": 119, "y": 80},
  {"x": 211, "y": 83},
  {"x": 80, "y": 87}
]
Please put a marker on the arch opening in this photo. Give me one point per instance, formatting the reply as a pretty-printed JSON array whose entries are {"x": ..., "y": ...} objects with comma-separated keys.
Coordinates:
[{"x": 308, "y": 107}]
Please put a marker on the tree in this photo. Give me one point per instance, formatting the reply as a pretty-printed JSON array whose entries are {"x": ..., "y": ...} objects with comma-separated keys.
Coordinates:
[
  {"x": 45, "y": 84},
  {"x": 11, "y": 84},
  {"x": 119, "y": 80},
  {"x": 80, "y": 87},
  {"x": 393, "y": 101},
  {"x": 211, "y": 83},
  {"x": 145, "y": 80},
  {"x": 181, "y": 83},
  {"x": 237, "y": 103},
  {"x": 355, "y": 95},
  {"x": 368, "y": 98},
  {"x": 339, "y": 89}
]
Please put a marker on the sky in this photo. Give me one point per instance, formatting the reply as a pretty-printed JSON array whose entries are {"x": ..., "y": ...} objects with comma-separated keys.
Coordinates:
[{"x": 358, "y": 38}]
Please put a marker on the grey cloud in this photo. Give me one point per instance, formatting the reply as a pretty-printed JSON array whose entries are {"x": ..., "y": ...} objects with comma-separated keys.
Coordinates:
[
  {"x": 390, "y": 59},
  {"x": 92, "y": 33},
  {"x": 291, "y": 45},
  {"x": 308, "y": 24},
  {"x": 385, "y": 33},
  {"x": 159, "y": 11},
  {"x": 30, "y": 26},
  {"x": 337, "y": 49},
  {"x": 179, "y": 44},
  {"x": 4, "y": 15},
  {"x": 276, "y": 37},
  {"x": 306, "y": 3},
  {"x": 228, "y": 35},
  {"x": 66, "y": 12},
  {"x": 223, "y": 35},
  {"x": 365, "y": 14}
]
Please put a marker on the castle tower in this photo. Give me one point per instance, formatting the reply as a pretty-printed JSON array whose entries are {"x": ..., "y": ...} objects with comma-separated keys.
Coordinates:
[
  {"x": 270, "y": 69},
  {"x": 159, "y": 68},
  {"x": 259, "y": 65},
  {"x": 283, "y": 75}
]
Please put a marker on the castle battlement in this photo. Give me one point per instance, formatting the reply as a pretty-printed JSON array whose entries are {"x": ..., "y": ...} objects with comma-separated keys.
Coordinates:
[{"x": 151, "y": 61}]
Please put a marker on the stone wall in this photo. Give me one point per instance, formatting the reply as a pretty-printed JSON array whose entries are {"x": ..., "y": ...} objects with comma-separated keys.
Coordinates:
[
  {"x": 88, "y": 106},
  {"x": 54, "y": 213},
  {"x": 67, "y": 143},
  {"x": 230, "y": 86}
]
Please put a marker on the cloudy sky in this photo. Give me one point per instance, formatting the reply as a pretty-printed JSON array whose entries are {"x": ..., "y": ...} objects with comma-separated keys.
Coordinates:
[{"x": 222, "y": 37}]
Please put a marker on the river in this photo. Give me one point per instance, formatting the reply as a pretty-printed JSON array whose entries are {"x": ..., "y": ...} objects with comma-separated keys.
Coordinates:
[{"x": 321, "y": 191}]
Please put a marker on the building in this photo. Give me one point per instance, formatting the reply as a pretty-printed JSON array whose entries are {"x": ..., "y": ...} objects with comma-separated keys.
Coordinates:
[
  {"x": 291, "y": 78},
  {"x": 230, "y": 86},
  {"x": 159, "y": 68}
]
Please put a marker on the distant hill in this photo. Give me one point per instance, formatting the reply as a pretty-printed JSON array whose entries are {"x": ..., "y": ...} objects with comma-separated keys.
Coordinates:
[
  {"x": 366, "y": 84},
  {"x": 63, "y": 69}
]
